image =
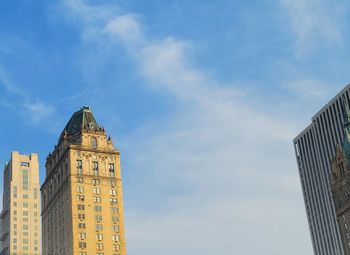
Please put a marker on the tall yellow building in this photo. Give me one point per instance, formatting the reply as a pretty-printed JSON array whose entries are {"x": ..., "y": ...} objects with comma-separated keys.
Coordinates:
[
  {"x": 82, "y": 206},
  {"x": 20, "y": 217}
]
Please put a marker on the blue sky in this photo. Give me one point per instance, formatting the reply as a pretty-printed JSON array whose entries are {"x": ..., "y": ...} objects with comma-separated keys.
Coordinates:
[{"x": 203, "y": 98}]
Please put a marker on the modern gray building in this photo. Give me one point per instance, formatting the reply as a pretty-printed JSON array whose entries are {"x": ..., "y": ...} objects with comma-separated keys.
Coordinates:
[{"x": 315, "y": 147}]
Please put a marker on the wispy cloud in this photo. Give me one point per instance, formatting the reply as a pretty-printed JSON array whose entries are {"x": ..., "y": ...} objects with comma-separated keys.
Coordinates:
[
  {"x": 216, "y": 170},
  {"x": 34, "y": 110},
  {"x": 309, "y": 88},
  {"x": 313, "y": 22}
]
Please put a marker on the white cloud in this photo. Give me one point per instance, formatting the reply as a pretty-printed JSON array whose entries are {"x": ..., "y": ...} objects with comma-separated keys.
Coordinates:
[
  {"x": 313, "y": 23},
  {"x": 38, "y": 111},
  {"x": 126, "y": 28},
  {"x": 218, "y": 176}
]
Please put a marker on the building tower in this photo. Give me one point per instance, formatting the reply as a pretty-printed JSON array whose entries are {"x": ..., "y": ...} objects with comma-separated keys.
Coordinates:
[
  {"x": 82, "y": 206},
  {"x": 315, "y": 147},
  {"x": 20, "y": 217},
  {"x": 340, "y": 183}
]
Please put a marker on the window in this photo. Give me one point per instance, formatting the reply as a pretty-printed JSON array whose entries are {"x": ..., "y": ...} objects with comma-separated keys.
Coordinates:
[
  {"x": 25, "y": 205},
  {"x": 81, "y": 207},
  {"x": 99, "y": 246},
  {"x": 99, "y": 227},
  {"x": 35, "y": 193},
  {"x": 82, "y": 245},
  {"x": 25, "y": 177},
  {"x": 112, "y": 192},
  {"x": 82, "y": 236},
  {"x": 111, "y": 170},
  {"x": 25, "y": 164},
  {"x": 113, "y": 201},
  {"x": 25, "y": 196},
  {"x": 97, "y": 199},
  {"x": 115, "y": 238},
  {"x": 98, "y": 208},
  {"x": 80, "y": 197},
  {"x": 80, "y": 189},
  {"x": 114, "y": 210},
  {"x": 115, "y": 228},
  {"x": 93, "y": 142},
  {"x": 96, "y": 182},
  {"x": 25, "y": 213},
  {"x": 98, "y": 217},
  {"x": 97, "y": 191},
  {"x": 15, "y": 191},
  {"x": 95, "y": 168},
  {"x": 116, "y": 247},
  {"x": 81, "y": 216},
  {"x": 79, "y": 167},
  {"x": 80, "y": 179},
  {"x": 112, "y": 183},
  {"x": 114, "y": 218},
  {"x": 81, "y": 225},
  {"x": 99, "y": 237}
]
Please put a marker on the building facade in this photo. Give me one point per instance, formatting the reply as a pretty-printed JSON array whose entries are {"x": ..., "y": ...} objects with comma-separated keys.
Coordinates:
[
  {"x": 340, "y": 183},
  {"x": 82, "y": 206},
  {"x": 20, "y": 217},
  {"x": 315, "y": 147}
]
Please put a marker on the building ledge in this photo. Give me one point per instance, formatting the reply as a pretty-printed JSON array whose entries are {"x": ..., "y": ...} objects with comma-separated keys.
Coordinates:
[{"x": 3, "y": 213}]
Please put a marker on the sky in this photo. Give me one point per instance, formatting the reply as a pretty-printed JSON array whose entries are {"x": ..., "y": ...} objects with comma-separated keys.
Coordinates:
[{"x": 203, "y": 99}]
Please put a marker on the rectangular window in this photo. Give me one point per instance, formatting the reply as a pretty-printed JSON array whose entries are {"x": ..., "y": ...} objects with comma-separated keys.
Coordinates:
[
  {"x": 113, "y": 201},
  {"x": 25, "y": 177},
  {"x": 82, "y": 225},
  {"x": 95, "y": 168},
  {"x": 99, "y": 227},
  {"x": 98, "y": 217},
  {"x": 97, "y": 199},
  {"x": 80, "y": 189},
  {"x": 81, "y": 216},
  {"x": 113, "y": 192},
  {"x": 115, "y": 228},
  {"x": 35, "y": 193},
  {"x": 81, "y": 207},
  {"x": 82, "y": 245},
  {"x": 99, "y": 237},
  {"x": 25, "y": 164},
  {"x": 98, "y": 208},
  {"x": 111, "y": 170},
  {"x": 82, "y": 236},
  {"x": 96, "y": 182},
  {"x": 80, "y": 197},
  {"x": 79, "y": 167}
]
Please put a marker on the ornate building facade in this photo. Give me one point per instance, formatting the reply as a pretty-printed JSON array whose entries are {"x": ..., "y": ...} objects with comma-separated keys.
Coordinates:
[
  {"x": 82, "y": 206},
  {"x": 340, "y": 183},
  {"x": 20, "y": 217}
]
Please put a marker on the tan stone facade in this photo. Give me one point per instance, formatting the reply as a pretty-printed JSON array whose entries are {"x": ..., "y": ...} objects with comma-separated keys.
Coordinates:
[
  {"x": 20, "y": 217},
  {"x": 82, "y": 194}
]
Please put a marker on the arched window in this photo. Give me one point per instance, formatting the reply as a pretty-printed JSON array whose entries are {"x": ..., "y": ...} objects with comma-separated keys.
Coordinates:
[{"x": 93, "y": 143}]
